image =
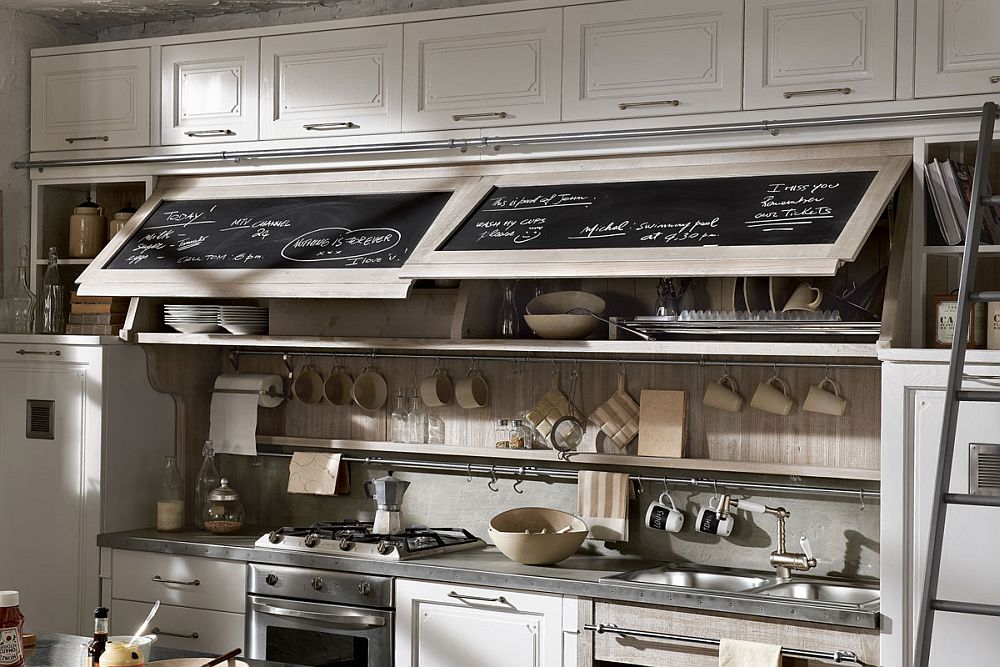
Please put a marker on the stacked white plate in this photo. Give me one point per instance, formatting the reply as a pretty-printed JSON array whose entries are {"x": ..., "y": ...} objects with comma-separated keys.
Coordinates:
[
  {"x": 191, "y": 319},
  {"x": 243, "y": 320}
]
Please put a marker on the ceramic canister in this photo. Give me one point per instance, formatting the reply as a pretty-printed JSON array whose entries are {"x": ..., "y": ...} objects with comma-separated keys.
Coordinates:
[{"x": 86, "y": 230}]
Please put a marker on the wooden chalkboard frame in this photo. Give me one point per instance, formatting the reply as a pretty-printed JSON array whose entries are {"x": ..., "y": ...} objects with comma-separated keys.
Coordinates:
[
  {"x": 427, "y": 261},
  {"x": 261, "y": 283}
]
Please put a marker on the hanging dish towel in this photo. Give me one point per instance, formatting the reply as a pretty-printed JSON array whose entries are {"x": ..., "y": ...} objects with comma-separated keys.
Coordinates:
[
  {"x": 318, "y": 474},
  {"x": 736, "y": 653},
  {"x": 549, "y": 409},
  {"x": 618, "y": 417},
  {"x": 602, "y": 502}
]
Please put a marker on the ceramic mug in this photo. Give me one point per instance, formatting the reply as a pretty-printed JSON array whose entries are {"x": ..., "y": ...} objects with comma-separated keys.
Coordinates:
[
  {"x": 774, "y": 396},
  {"x": 805, "y": 297},
  {"x": 825, "y": 399},
  {"x": 711, "y": 521},
  {"x": 661, "y": 517},
  {"x": 723, "y": 394},
  {"x": 338, "y": 385},
  {"x": 370, "y": 390},
  {"x": 472, "y": 391},
  {"x": 437, "y": 390},
  {"x": 307, "y": 385}
]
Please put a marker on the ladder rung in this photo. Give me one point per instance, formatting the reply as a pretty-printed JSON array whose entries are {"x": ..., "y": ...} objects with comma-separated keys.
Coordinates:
[
  {"x": 973, "y": 608},
  {"x": 969, "y": 499},
  {"x": 978, "y": 396},
  {"x": 984, "y": 296},
  {"x": 992, "y": 199}
]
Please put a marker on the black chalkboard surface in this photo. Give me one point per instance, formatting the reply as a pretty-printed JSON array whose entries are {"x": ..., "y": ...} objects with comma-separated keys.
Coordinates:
[
  {"x": 783, "y": 209},
  {"x": 372, "y": 231}
]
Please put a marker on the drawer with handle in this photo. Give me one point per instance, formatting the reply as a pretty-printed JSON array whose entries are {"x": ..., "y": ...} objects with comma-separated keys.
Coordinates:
[
  {"x": 179, "y": 627},
  {"x": 205, "y": 583}
]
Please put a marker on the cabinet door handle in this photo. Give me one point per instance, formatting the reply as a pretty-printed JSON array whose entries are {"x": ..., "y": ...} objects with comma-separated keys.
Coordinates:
[
  {"x": 658, "y": 103},
  {"x": 70, "y": 140},
  {"x": 52, "y": 353},
  {"x": 995, "y": 78},
  {"x": 157, "y": 631},
  {"x": 160, "y": 580},
  {"x": 788, "y": 94},
  {"x": 326, "y": 127},
  {"x": 489, "y": 115},
  {"x": 210, "y": 133},
  {"x": 476, "y": 598}
]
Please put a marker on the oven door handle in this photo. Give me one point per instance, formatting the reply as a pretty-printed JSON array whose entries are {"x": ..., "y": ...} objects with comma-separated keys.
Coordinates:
[{"x": 346, "y": 621}]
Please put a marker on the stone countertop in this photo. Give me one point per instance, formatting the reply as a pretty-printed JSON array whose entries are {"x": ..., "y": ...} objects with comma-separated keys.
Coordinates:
[
  {"x": 53, "y": 650},
  {"x": 579, "y": 575}
]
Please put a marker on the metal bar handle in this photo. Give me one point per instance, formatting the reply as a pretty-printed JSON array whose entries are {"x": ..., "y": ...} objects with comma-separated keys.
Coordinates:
[
  {"x": 839, "y": 656},
  {"x": 70, "y": 140},
  {"x": 210, "y": 133},
  {"x": 476, "y": 598},
  {"x": 164, "y": 633},
  {"x": 489, "y": 115},
  {"x": 788, "y": 94},
  {"x": 347, "y": 621},
  {"x": 326, "y": 127},
  {"x": 995, "y": 78},
  {"x": 48, "y": 353},
  {"x": 658, "y": 103},
  {"x": 160, "y": 580}
]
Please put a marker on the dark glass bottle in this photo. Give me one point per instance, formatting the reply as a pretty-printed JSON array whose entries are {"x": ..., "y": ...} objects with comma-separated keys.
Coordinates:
[{"x": 100, "y": 641}]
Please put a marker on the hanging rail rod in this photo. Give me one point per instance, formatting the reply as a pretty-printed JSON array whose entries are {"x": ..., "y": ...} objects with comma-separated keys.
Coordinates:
[
  {"x": 533, "y": 471},
  {"x": 237, "y": 353},
  {"x": 838, "y": 657},
  {"x": 497, "y": 143}
]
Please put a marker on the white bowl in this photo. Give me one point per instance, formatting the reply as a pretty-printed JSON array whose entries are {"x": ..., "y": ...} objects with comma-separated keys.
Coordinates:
[
  {"x": 507, "y": 530},
  {"x": 144, "y": 643},
  {"x": 560, "y": 303},
  {"x": 565, "y": 327}
]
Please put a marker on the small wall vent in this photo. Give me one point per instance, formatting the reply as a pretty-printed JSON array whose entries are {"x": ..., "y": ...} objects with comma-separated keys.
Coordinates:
[
  {"x": 40, "y": 420},
  {"x": 984, "y": 470}
]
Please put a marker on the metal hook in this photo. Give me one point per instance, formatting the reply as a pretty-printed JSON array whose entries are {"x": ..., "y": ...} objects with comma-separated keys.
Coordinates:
[
  {"x": 725, "y": 369},
  {"x": 234, "y": 359},
  {"x": 827, "y": 372},
  {"x": 665, "y": 488},
  {"x": 774, "y": 369},
  {"x": 640, "y": 487},
  {"x": 493, "y": 482},
  {"x": 469, "y": 478},
  {"x": 861, "y": 497},
  {"x": 516, "y": 370},
  {"x": 555, "y": 367},
  {"x": 715, "y": 487},
  {"x": 517, "y": 483},
  {"x": 621, "y": 366}
]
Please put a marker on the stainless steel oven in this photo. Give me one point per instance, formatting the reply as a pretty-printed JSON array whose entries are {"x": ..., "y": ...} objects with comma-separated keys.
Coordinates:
[{"x": 318, "y": 618}]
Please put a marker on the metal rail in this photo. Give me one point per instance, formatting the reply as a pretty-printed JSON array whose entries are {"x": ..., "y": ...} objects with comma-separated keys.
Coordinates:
[{"x": 498, "y": 143}]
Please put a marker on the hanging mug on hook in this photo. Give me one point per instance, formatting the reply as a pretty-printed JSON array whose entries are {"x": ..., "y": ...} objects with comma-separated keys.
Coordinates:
[
  {"x": 472, "y": 391},
  {"x": 370, "y": 390},
  {"x": 660, "y": 516}
]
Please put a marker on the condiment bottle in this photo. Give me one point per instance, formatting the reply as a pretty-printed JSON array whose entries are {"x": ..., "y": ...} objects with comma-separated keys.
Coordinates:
[
  {"x": 11, "y": 630},
  {"x": 117, "y": 654},
  {"x": 503, "y": 434},
  {"x": 208, "y": 481},
  {"x": 520, "y": 435},
  {"x": 224, "y": 510},
  {"x": 116, "y": 223},
  {"x": 99, "y": 643},
  {"x": 170, "y": 504}
]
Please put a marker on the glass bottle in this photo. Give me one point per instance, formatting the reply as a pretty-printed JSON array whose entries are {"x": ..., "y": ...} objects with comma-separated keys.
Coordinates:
[
  {"x": 667, "y": 302},
  {"x": 503, "y": 434},
  {"x": 208, "y": 480},
  {"x": 170, "y": 504},
  {"x": 53, "y": 298},
  {"x": 508, "y": 321},
  {"x": 520, "y": 435},
  {"x": 21, "y": 303},
  {"x": 397, "y": 419},
  {"x": 11, "y": 630},
  {"x": 416, "y": 420},
  {"x": 100, "y": 641},
  {"x": 435, "y": 430}
]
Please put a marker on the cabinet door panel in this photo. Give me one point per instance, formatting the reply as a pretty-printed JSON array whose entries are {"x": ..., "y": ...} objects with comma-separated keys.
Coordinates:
[
  {"x": 334, "y": 83},
  {"x": 958, "y": 52},
  {"x": 646, "y": 58},
  {"x": 210, "y": 92},
  {"x": 800, "y": 53},
  {"x": 217, "y": 631},
  {"x": 221, "y": 584},
  {"x": 90, "y": 100},
  {"x": 478, "y": 72}
]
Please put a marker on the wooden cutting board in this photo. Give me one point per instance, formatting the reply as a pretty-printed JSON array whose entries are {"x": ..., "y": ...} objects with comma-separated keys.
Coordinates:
[{"x": 662, "y": 422}]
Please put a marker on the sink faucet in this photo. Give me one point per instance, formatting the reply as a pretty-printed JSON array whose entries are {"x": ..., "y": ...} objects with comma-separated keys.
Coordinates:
[{"x": 782, "y": 561}]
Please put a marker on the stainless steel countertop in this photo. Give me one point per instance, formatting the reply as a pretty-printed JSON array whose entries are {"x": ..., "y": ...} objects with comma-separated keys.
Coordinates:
[{"x": 579, "y": 575}]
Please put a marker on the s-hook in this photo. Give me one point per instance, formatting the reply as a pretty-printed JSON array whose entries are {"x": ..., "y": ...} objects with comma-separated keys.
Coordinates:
[
  {"x": 493, "y": 482},
  {"x": 517, "y": 483},
  {"x": 861, "y": 497},
  {"x": 469, "y": 468}
]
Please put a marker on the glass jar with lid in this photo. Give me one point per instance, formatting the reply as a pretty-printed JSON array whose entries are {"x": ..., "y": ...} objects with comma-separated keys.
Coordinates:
[{"x": 224, "y": 510}]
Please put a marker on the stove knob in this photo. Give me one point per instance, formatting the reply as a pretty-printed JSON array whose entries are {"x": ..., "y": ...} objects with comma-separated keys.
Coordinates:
[
  {"x": 317, "y": 584},
  {"x": 384, "y": 547},
  {"x": 312, "y": 539},
  {"x": 364, "y": 588},
  {"x": 271, "y": 580},
  {"x": 346, "y": 544},
  {"x": 273, "y": 537}
]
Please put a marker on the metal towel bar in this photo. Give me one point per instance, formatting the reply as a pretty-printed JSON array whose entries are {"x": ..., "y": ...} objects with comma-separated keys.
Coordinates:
[{"x": 839, "y": 657}]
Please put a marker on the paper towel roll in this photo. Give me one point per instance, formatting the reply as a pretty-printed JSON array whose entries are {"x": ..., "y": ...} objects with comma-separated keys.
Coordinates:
[{"x": 234, "y": 410}]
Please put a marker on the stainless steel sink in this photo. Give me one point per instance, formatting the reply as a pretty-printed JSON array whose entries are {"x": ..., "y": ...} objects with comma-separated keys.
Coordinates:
[
  {"x": 821, "y": 592},
  {"x": 702, "y": 580}
]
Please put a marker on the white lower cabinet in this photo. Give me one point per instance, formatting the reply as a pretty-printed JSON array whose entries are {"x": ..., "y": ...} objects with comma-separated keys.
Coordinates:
[
  {"x": 180, "y": 627},
  {"x": 442, "y": 625}
]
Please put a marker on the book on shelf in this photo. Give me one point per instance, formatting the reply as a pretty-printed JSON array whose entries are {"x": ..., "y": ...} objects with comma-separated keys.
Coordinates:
[
  {"x": 950, "y": 186},
  {"x": 945, "y": 214}
]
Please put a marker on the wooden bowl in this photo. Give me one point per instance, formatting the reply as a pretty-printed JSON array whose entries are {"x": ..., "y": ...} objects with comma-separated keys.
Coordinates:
[
  {"x": 560, "y": 303},
  {"x": 564, "y": 327},
  {"x": 535, "y": 547}
]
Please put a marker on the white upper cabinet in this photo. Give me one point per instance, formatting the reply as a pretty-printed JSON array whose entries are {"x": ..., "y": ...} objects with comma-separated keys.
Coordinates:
[
  {"x": 652, "y": 58},
  {"x": 90, "y": 100},
  {"x": 332, "y": 83},
  {"x": 210, "y": 92},
  {"x": 501, "y": 69},
  {"x": 958, "y": 47},
  {"x": 801, "y": 53}
]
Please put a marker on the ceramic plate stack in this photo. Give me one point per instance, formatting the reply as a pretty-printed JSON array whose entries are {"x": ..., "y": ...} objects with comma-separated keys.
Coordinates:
[
  {"x": 243, "y": 320},
  {"x": 191, "y": 319}
]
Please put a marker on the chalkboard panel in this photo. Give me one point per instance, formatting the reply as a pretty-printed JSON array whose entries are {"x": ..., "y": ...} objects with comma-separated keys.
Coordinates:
[
  {"x": 372, "y": 231},
  {"x": 783, "y": 209}
]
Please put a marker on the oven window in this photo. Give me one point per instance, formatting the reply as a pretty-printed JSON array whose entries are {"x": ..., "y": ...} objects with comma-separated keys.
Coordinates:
[{"x": 309, "y": 648}]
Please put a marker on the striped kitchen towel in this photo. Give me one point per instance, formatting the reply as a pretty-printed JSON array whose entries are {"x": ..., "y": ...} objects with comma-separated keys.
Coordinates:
[{"x": 602, "y": 501}]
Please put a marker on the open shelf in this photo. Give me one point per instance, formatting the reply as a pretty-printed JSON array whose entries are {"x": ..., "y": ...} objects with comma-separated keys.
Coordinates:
[
  {"x": 63, "y": 261},
  {"x": 548, "y": 455},
  {"x": 984, "y": 250}
]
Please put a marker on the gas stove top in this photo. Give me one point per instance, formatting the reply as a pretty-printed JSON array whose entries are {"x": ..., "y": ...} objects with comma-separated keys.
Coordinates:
[{"x": 356, "y": 539}]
